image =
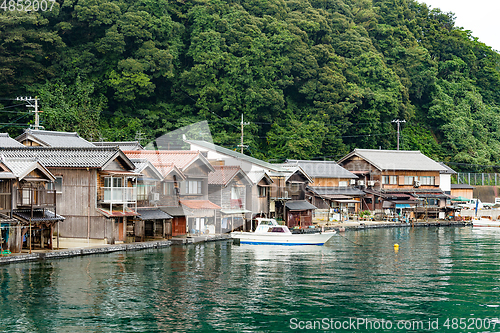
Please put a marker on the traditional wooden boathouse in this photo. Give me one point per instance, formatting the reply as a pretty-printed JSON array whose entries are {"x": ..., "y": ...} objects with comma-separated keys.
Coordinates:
[
  {"x": 94, "y": 188},
  {"x": 28, "y": 209},
  {"x": 186, "y": 197},
  {"x": 398, "y": 180}
]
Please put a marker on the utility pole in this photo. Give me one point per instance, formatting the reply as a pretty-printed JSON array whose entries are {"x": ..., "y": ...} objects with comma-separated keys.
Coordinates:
[
  {"x": 32, "y": 103},
  {"x": 398, "y": 121},
  {"x": 242, "y": 124}
]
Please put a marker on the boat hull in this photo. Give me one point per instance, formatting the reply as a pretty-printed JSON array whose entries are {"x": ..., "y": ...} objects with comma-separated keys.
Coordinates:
[
  {"x": 287, "y": 239},
  {"x": 485, "y": 223}
]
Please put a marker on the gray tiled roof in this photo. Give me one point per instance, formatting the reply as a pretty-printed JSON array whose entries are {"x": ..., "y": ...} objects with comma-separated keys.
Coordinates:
[
  {"x": 235, "y": 154},
  {"x": 448, "y": 171},
  {"x": 55, "y": 139},
  {"x": 397, "y": 160},
  {"x": 299, "y": 205},
  {"x": 7, "y": 141},
  {"x": 123, "y": 145},
  {"x": 322, "y": 169},
  {"x": 88, "y": 157}
]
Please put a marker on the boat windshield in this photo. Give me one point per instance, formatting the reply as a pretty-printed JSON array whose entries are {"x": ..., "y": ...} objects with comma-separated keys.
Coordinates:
[{"x": 276, "y": 229}]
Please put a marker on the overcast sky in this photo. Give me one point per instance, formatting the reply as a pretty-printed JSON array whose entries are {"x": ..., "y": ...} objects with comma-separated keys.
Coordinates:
[{"x": 479, "y": 16}]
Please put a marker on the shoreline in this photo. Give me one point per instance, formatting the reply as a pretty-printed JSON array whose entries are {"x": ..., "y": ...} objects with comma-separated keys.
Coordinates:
[{"x": 103, "y": 249}]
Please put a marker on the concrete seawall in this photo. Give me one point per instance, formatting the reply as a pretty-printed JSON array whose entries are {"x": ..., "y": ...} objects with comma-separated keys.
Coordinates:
[{"x": 83, "y": 251}]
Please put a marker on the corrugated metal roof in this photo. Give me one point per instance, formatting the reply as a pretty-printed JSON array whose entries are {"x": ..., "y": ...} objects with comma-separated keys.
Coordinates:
[
  {"x": 55, "y": 139},
  {"x": 397, "y": 160},
  {"x": 322, "y": 169},
  {"x": 86, "y": 157},
  {"x": 21, "y": 167},
  {"x": 200, "y": 204},
  {"x": 178, "y": 211},
  {"x": 235, "y": 154},
  {"x": 299, "y": 205},
  {"x": 152, "y": 214},
  {"x": 123, "y": 145},
  {"x": 42, "y": 215},
  {"x": 7, "y": 141}
]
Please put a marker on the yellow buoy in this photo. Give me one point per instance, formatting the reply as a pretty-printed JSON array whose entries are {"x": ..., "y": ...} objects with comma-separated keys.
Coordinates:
[{"x": 396, "y": 247}]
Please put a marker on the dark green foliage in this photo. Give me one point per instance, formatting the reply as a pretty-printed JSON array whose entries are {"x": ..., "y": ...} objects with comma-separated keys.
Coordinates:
[{"x": 315, "y": 78}]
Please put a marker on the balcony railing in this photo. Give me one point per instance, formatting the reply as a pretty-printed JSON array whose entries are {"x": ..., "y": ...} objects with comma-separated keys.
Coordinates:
[
  {"x": 35, "y": 197},
  {"x": 119, "y": 195}
]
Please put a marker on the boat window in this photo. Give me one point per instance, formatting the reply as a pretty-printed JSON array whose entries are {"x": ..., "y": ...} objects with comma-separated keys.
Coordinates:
[{"x": 276, "y": 229}]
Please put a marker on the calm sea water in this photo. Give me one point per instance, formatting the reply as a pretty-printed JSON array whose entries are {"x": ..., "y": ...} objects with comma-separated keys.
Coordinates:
[{"x": 355, "y": 283}]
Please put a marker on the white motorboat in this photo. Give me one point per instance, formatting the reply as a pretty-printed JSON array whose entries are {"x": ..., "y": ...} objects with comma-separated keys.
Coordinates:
[
  {"x": 485, "y": 223},
  {"x": 269, "y": 232}
]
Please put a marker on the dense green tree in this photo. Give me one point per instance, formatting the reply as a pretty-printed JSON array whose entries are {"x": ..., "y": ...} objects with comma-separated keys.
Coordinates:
[{"x": 314, "y": 78}]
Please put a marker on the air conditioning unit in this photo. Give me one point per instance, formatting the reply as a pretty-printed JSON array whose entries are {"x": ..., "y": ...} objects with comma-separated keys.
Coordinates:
[
  {"x": 154, "y": 196},
  {"x": 361, "y": 182},
  {"x": 416, "y": 183},
  {"x": 352, "y": 182},
  {"x": 370, "y": 183}
]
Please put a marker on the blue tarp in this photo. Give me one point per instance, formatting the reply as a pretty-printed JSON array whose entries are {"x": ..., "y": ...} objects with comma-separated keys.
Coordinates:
[{"x": 403, "y": 206}]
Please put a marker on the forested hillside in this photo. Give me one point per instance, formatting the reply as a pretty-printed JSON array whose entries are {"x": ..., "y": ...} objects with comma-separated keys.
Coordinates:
[{"x": 315, "y": 78}]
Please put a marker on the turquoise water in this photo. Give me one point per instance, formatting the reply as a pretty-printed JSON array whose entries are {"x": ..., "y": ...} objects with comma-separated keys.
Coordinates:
[{"x": 438, "y": 274}]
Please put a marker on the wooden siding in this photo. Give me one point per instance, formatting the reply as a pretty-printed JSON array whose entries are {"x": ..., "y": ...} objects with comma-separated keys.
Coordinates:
[
  {"x": 73, "y": 203},
  {"x": 330, "y": 182}
]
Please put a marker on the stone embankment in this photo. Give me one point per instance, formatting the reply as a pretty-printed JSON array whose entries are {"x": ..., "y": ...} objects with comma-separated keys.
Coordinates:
[{"x": 102, "y": 249}]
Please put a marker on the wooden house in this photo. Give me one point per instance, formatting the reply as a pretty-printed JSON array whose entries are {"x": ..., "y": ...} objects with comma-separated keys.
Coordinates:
[
  {"x": 151, "y": 221},
  {"x": 193, "y": 211},
  {"x": 94, "y": 188},
  {"x": 259, "y": 201},
  {"x": 228, "y": 187},
  {"x": 463, "y": 190},
  {"x": 28, "y": 209},
  {"x": 398, "y": 180},
  {"x": 289, "y": 194},
  {"x": 333, "y": 186}
]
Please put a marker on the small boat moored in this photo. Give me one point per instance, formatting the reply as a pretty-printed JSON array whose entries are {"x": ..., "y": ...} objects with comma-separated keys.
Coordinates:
[
  {"x": 269, "y": 232},
  {"x": 485, "y": 223}
]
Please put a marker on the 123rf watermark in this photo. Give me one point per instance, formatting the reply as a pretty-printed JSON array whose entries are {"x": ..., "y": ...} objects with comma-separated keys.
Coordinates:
[
  {"x": 26, "y": 5},
  {"x": 371, "y": 324}
]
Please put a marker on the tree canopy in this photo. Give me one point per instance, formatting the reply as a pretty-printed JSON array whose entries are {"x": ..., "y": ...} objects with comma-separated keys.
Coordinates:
[{"x": 314, "y": 78}]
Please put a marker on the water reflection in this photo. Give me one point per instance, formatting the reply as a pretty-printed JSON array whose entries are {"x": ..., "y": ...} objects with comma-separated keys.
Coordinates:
[{"x": 436, "y": 273}]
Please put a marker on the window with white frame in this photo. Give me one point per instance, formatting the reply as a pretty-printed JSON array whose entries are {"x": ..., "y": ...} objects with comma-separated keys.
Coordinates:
[
  {"x": 427, "y": 180},
  {"x": 113, "y": 182},
  {"x": 56, "y": 184},
  {"x": 168, "y": 188},
  {"x": 193, "y": 187},
  {"x": 390, "y": 180},
  {"x": 142, "y": 192},
  {"x": 409, "y": 180},
  {"x": 343, "y": 183}
]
